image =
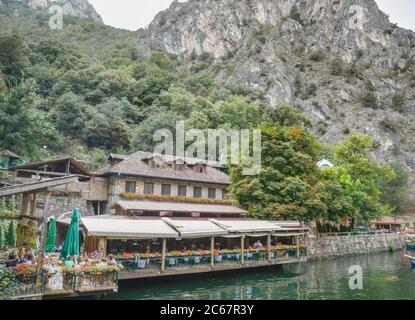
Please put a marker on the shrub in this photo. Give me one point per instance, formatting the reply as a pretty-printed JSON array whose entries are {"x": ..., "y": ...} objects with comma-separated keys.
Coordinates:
[
  {"x": 295, "y": 14},
  {"x": 312, "y": 89},
  {"x": 353, "y": 70},
  {"x": 336, "y": 67},
  {"x": 322, "y": 127},
  {"x": 369, "y": 100},
  {"x": 317, "y": 56},
  {"x": 398, "y": 102},
  {"x": 389, "y": 125}
]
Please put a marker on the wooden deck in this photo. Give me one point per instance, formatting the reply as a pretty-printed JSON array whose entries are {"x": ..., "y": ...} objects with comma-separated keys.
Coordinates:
[{"x": 177, "y": 271}]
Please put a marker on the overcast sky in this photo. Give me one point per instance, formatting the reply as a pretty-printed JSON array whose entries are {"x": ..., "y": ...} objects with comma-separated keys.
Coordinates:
[{"x": 135, "y": 14}]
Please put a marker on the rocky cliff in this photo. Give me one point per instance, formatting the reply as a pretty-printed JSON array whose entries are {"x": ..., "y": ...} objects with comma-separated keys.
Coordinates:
[
  {"x": 341, "y": 61},
  {"x": 78, "y": 8}
]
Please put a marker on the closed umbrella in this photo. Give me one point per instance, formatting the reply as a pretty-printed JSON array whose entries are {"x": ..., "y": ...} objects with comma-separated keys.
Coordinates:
[
  {"x": 71, "y": 244},
  {"x": 50, "y": 244}
]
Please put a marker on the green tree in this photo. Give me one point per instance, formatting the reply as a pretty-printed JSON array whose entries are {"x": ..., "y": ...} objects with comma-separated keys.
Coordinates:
[
  {"x": 11, "y": 235},
  {"x": 1, "y": 235},
  {"x": 285, "y": 185},
  {"x": 353, "y": 155},
  {"x": 69, "y": 114},
  {"x": 285, "y": 116},
  {"x": 23, "y": 128},
  {"x": 13, "y": 58},
  {"x": 395, "y": 189}
]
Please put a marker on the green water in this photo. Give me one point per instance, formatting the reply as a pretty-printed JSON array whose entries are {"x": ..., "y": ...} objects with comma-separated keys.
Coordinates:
[{"x": 385, "y": 276}]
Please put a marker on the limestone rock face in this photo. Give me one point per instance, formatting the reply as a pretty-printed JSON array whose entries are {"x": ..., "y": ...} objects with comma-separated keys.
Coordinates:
[
  {"x": 78, "y": 8},
  {"x": 323, "y": 56}
]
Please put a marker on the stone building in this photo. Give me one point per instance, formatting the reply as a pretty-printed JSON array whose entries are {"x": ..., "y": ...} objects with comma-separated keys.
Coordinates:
[{"x": 144, "y": 175}]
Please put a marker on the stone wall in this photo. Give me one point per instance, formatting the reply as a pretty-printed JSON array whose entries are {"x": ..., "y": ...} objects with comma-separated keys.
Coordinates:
[
  {"x": 64, "y": 203},
  {"x": 319, "y": 248}
]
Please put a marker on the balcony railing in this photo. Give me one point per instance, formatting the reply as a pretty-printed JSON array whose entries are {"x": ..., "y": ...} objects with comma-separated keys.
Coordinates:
[{"x": 154, "y": 264}]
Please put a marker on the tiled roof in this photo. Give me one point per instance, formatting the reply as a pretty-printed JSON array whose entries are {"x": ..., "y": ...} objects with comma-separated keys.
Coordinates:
[
  {"x": 135, "y": 165},
  {"x": 179, "y": 207}
]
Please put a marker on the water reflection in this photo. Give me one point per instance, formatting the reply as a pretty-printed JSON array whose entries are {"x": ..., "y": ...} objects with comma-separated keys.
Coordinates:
[{"x": 385, "y": 276}]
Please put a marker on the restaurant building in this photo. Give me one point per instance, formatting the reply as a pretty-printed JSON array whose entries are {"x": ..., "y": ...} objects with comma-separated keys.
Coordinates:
[{"x": 160, "y": 215}]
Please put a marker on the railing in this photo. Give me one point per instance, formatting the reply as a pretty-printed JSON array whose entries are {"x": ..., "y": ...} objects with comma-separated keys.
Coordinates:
[
  {"x": 172, "y": 263},
  {"x": 60, "y": 283},
  {"x": 30, "y": 285},
  {"x": 348, "y": 234}
]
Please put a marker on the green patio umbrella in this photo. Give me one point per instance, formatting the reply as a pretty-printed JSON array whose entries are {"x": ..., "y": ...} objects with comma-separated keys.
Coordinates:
[
  {"x": 50, "y": 244},
  {"x": 71, "y": 244}
]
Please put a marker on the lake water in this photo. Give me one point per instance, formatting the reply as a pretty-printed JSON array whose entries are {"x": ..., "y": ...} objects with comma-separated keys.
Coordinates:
[{"x": 385, "y": 276}]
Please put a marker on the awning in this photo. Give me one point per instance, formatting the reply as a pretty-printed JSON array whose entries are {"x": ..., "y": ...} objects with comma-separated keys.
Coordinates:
[
  {"x": 119, "y": 227},
  {"x": 159, "y": 206},
  {"x": 139, "y": 227},
  {"x": 192, "y": 228},
  {"x": 244, "y": 226}
]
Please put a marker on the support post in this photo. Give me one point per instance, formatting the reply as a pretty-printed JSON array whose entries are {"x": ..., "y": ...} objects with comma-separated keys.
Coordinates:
[
  {"x": 212, "y": 253},
  {"x": 33, "y": 205},
  {"x": 298, "y": 247},
  {"x": 243, "y": 249},
  {"x": 24, "y": 205},
  {"x": 269, "y": 247},
  {"x": 68, "y": 167},
  {"x": 43, "y": 235},
  {"x": 163, "y": 256}
]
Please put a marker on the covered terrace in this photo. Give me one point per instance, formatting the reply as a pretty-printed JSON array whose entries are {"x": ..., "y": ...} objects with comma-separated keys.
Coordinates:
[{"x": 159, "y": 245}]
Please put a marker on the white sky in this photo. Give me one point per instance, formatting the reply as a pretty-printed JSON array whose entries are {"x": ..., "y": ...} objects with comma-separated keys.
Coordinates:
[{"x": 135, "y": 14}]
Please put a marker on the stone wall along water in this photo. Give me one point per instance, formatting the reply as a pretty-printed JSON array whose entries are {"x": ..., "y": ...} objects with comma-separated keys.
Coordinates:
[{"x": 327, "y": 247}]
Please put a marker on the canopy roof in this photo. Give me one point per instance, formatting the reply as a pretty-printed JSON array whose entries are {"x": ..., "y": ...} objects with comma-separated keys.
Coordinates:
[
  {"x": 243, "y": 226},
  {"x": 178, "y": 207},
  {"x": 138, "y": 227},
  {"x": 122, "y": 227},
  {"x": 191, "y": 228}
]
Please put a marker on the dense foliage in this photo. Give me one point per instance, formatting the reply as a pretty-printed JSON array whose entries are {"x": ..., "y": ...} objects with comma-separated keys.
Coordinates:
[{"x": 290, "y": 186}]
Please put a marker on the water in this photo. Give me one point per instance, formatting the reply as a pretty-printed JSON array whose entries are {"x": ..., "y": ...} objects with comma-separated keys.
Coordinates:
[{"x": 385, "y": 276}]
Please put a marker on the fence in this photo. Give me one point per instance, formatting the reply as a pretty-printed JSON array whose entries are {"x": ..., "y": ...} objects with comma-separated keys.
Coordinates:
[
  {"x": 154, "y": 264},
  {"x": 61, "y": 282},
  {"x": 348, "y": 234}
]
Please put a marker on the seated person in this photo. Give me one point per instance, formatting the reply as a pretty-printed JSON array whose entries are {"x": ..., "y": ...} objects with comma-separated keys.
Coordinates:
[
  {"x": 84, "y": 258},
  {"x": 111, "y": 260},
  {"x": 12, "y": 262},
  {"x": 30, "y": 259},
  {"x": 258, "y": 245},
  {"x": 69, "y": 262}
]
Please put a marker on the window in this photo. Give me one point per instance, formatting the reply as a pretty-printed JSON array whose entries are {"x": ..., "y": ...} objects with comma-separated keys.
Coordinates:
[
  {"x": 148, "y": 188},
  {"x": 197, "y": 192},
  {"x": 212, "y": 193},
  {"x": 166, "y": 189},
  {"x": 130, "y": 186},
  {"x": 201, "y": 169},
  {"x": 182, "y": 191}
]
